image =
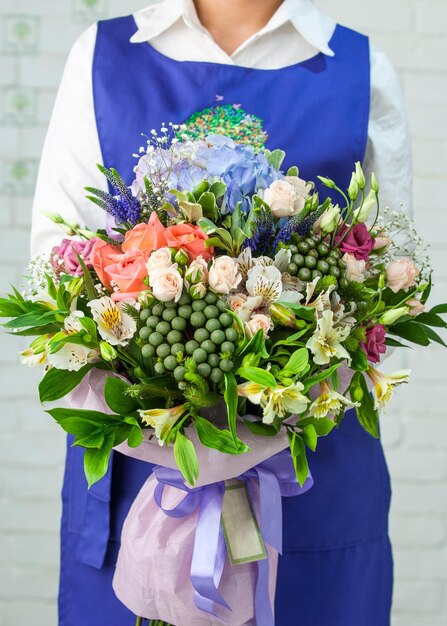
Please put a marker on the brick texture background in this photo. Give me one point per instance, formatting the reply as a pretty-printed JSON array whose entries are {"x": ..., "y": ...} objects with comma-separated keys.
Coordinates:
[{"x": 34, "y": 41}]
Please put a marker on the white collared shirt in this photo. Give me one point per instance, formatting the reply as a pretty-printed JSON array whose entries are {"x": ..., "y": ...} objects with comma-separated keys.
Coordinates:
[{"x": 296, "y": 32}]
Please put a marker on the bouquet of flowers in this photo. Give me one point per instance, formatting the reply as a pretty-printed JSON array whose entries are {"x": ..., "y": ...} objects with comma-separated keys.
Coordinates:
[
  {"x": 219, "y": 277},
  {"x": 224, "y": 292}
]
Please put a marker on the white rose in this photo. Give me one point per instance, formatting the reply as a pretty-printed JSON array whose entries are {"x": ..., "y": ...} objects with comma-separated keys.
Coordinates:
[
  {"x": 258, "y": 322},
  {"x": 354, "y": 269},
  {"x": 281, "y": 197},
  {"x": 167, "y": 284},
  {"x": 302, "y": 190},
  {"x": 159, "y": 259},
  {"x": 223, "y": 275}
]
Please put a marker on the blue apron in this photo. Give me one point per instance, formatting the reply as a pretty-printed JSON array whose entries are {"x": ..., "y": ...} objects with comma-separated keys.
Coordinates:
[{"x": 336, "y": 569}]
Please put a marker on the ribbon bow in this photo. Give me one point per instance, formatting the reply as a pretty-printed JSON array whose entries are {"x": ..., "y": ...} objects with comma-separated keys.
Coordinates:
[{"x": 277, "y": 479}]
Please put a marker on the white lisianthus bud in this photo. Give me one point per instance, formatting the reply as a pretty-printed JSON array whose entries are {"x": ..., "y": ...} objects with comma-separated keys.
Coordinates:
[
  {"x": 108, "y": 352},
  {"x": 362, "y": 213},
  {"x": 389, "y": 317},
  {"x": 330, "y": 219},
  {"x": 374, "y": 183},
  {"x": 327, "y": 182},
  {"x": 353, "y": 188},
  {"x": 361, "y": 180}
]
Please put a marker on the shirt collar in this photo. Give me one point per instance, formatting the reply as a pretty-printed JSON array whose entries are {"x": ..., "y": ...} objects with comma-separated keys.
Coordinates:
[{"x": 302, "y": 14}]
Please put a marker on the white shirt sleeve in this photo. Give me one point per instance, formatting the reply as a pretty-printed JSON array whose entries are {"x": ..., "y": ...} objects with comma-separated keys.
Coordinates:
[
  {"x": 70, "y": 153},
  {"x": 388, "y": 152}
]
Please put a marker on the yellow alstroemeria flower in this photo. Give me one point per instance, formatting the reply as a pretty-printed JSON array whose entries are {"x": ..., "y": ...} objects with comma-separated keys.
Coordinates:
[
  {"x": 384, "y": 384},
  {"x": 329, "y": 402},
  {"x": 280, "y": 401},
  {"x": 162, "y": 420},
  {"x": 251, "y": 391}
]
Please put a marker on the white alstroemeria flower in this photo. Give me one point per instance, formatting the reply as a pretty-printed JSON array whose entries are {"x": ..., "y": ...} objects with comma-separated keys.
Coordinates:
[
  {"x": 282, "y": 259},
  {"x": 72, "y": 324},
  {"x": 114, "y": 325},
  {"x": 245, "y": 311},
  {"x": 252, "y": 391},
  {"x": 265, "y": 282},
  {"x": 325, "y": 343},
  {"x": 329, "y": 402},
  {"x": 162, "y": 420},
  {"x": 31, "y": 359},
  {"x": 281, "y": 401},
  {"x": 341, "y": 316},
  {"x": 245, "y": 262},
  {"x": 72, "y": 356},
  {"x": 384, "y": 384}
]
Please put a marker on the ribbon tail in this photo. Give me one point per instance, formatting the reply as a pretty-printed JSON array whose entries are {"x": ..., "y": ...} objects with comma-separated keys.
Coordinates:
[
  {"x": 263, "y": 607},
  {"x": 209, "y": 552}
]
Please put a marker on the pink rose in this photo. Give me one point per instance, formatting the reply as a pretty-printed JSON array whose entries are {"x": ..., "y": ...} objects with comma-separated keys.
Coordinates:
[
  {"x": 190, "y": 238},
  {"x": 375, "y": 343},
  {"x": 401, "y": 274},
  {"x": 64, "y": 258},
  {"x": 127, "y": 272},
  {"x": 167, "y": 284},
  {"x": 354, "y": 269},
  {"x": 100, "y": 258},
  {"x": 223, "y": 275},
  {"x": 258, "y": 322},
  {"x": 357, "y": 242},
  {"x": 416, "y": 307}
]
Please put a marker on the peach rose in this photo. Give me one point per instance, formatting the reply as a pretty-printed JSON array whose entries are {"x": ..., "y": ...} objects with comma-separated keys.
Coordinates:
[
  {"x": 146, "y": 237},
  {"x": 235, "y": 302},
  {"x": 128, "y": 271},
  {"x": 189, "y": 237},
  {"x": 159, "y": 259},
  {"x": 281, "y": 198},
  {"x": 223, "y": 275},
  {"x": 166, "y": 284},
  {"x": 416, "y": 307},
  {"x": 401, "y": 274},
  {"x": 100, "y": 258},
  {"x": 258, "y": 322},
  {"x": 354, "y": 268},
  {"x": 381, "y": 242}
]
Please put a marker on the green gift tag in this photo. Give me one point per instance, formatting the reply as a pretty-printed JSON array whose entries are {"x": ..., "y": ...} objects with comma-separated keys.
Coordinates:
[{"x": 240, "y": 526}]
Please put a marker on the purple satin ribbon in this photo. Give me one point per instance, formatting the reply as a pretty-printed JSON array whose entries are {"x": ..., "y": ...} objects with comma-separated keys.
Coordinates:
[{"x": 277, "y": 479}]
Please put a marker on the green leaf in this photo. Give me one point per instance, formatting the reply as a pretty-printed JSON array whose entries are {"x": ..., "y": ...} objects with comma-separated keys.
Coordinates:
[
  {"x": 57, "y": 383},
  {"x": 186, "y": 458},
  {"x": 33, "y": 319},
  {"x": 318, "y": 378},
  {"x": 310, "y": 437},
  {"x": 257, "y": 375},
  {"x": 297, "y": 362},
  {"x": 275, "y": 158},
  {"x": 9, "y": 308},
  {"x": 256, "y": 345},
  {"x": 213, "y": 437},
  {"x": 259, "y": 428},
  {"x": 93, "y": 440},
  {"x": 303, "y": 312},
  {"x": 431, "y": 334},
  {"x": 208, "y": 203},
  {"x": 96, "y": 460},
  {"x": 218, "y": 189},
  {"x": 394, "y": 343},
  {"x": 439, "y": 309},
  {"x": 230, "y": 397},
  {"x": 89, "y": 325},
  {"x": 84, "y": 415},
  {"x": 135, "y": 438},
  {"x": 359, "y": 361},
  {"x": 411, "y": 331},
  {"x": 322, "y": 425},
  {"x": 366, "y": 413},
  {"x": 115, "y": 395},
  {"x": 431, "y": 319},
  {"x": 88, "y": 280},
  {"x": 298, "y": 451}
]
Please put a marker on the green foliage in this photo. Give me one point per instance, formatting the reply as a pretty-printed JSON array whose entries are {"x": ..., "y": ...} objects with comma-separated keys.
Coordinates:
[
  {"x": 58, "y": 383},
  {"x": 366, "y": 413},
  {"x": 230, "y": 397},
  {"x": 221, "y": 440},
  {"x": 117, "y": 397},
  {"x": 186, "y": 458},
  {"x": 299, "y": 457},
  {"x": 197, "y": 390},
  {"x": 257, "y": 375}
]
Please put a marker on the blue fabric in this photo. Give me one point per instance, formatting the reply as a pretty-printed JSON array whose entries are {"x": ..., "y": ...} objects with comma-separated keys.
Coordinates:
[{"x": 337, "y": 566}]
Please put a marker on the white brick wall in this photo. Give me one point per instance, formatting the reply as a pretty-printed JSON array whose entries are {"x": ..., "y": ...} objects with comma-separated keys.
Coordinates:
[{"x": 34, "y": 39}]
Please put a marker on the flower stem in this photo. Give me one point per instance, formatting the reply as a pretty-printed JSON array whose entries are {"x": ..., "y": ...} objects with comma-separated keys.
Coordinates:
[{"x": 139, "y": 621}]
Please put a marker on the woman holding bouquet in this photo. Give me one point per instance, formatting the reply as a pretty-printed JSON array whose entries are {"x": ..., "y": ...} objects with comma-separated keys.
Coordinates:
[{"x": 328, "y": 99}]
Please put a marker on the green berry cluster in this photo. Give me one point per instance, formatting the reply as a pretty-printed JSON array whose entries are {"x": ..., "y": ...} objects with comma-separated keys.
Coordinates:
[
  {"x": 199, "y": 329},
  {"x": 312, "y": 257}
]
